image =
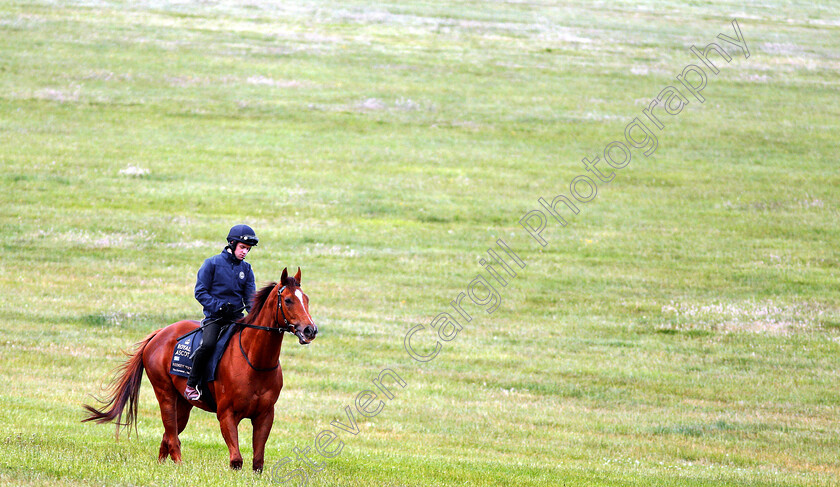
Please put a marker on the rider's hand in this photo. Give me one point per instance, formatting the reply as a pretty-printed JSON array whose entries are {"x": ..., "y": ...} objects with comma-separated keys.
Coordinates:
[{"x": 226, "y": 309}]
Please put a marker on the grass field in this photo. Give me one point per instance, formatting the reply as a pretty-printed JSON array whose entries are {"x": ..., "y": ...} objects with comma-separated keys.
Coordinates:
[{"x": 682, "y": 330}]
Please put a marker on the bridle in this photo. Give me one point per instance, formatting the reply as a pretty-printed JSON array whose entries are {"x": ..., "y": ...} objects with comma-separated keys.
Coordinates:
[{"x": 287, "y": 328}]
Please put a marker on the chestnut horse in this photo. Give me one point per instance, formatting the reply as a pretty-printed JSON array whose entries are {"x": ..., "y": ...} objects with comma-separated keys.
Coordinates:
[{"x": 248, "y": 378}]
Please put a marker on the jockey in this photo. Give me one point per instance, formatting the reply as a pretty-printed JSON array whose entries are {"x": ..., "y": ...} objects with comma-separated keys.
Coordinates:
[{"x": 224, "y": 287}]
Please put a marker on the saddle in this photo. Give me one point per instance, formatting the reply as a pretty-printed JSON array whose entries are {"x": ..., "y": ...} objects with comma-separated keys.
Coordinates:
[{"x": 182, "y": 359}]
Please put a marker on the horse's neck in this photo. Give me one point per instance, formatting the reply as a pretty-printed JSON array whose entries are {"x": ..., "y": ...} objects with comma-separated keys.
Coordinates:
[{"x": 262, "y": 347}]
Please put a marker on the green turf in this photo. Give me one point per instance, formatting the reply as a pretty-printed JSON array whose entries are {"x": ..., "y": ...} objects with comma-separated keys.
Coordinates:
[{"x": 681, "y": 330}]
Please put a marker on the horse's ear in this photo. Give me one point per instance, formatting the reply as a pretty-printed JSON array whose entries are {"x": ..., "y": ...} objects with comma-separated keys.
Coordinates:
[
  {"x": 297, "y": 277},
  {"x": 284, "y": 276}
]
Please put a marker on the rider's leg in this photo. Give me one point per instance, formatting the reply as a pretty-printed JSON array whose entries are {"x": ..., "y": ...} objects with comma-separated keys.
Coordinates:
[{"x": 204, "y": 352}]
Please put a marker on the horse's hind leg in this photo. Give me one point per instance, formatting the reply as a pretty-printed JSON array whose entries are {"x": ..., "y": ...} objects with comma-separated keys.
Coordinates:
[
  {"x": 170, "y": 445},
  {"x": 184, "y": 408}
]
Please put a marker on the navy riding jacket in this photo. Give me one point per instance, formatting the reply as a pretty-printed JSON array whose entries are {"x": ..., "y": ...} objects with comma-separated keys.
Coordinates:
[{"x": 224, "y": 279}]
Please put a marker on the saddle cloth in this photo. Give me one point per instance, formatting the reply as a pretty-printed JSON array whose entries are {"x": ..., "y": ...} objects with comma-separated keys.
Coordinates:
[{"x": 182, "y": 359}]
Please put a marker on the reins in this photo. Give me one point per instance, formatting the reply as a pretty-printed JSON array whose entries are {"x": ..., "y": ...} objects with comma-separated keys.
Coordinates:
[{"x": 247, "y": 360}]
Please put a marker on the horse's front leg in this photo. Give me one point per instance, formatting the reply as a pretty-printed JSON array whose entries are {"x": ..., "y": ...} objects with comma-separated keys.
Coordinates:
[
  {"x": 262, "y": 427},
  {"x": 229, "y": 423}
]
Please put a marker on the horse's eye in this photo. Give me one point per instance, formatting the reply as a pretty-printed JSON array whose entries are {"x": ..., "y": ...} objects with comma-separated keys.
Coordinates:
[{"x": 288, "y": 302}]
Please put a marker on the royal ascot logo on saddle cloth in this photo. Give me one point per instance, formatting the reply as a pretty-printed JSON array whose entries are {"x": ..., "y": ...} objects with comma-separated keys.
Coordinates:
[{"x": 182, "y": 359}]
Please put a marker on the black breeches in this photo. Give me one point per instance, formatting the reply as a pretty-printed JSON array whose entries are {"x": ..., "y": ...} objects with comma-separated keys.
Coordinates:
[{"x": 205, "y": 351}]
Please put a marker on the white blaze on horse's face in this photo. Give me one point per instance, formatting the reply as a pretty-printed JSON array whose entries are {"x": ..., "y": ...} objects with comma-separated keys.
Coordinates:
[
  {"x": 299, "y": 317},
  {"x": 299, "y": 296}
]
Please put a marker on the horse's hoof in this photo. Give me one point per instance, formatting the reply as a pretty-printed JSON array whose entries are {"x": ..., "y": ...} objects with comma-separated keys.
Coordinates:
[
  {"x": 258, "y": 469},
  {"x": 236, "y": 464}
]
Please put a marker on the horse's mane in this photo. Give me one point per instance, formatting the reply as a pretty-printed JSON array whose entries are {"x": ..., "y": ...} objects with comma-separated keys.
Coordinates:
[
  {"x": 291, "y": 282},
  {"x": 258, "y": 301},
  {"x": 261, "y": 296}
]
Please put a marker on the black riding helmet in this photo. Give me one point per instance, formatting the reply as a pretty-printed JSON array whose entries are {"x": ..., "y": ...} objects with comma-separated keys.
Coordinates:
[{"x": 244, "y": 234}]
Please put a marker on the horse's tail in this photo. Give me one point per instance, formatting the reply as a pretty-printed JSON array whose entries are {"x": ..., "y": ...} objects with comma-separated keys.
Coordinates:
[{"x": 124, "y": 389}]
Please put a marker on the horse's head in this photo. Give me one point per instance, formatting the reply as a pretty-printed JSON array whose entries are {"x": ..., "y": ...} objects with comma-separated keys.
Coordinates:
[{"x": 293, "y": 308}]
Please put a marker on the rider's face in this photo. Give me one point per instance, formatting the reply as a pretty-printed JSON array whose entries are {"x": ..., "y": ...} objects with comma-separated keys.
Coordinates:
[{"x": 241, "y": 250}]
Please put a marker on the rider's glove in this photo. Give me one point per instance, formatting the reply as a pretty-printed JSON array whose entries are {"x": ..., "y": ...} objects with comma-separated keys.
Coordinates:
[{"x": 227, "y": 309}]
